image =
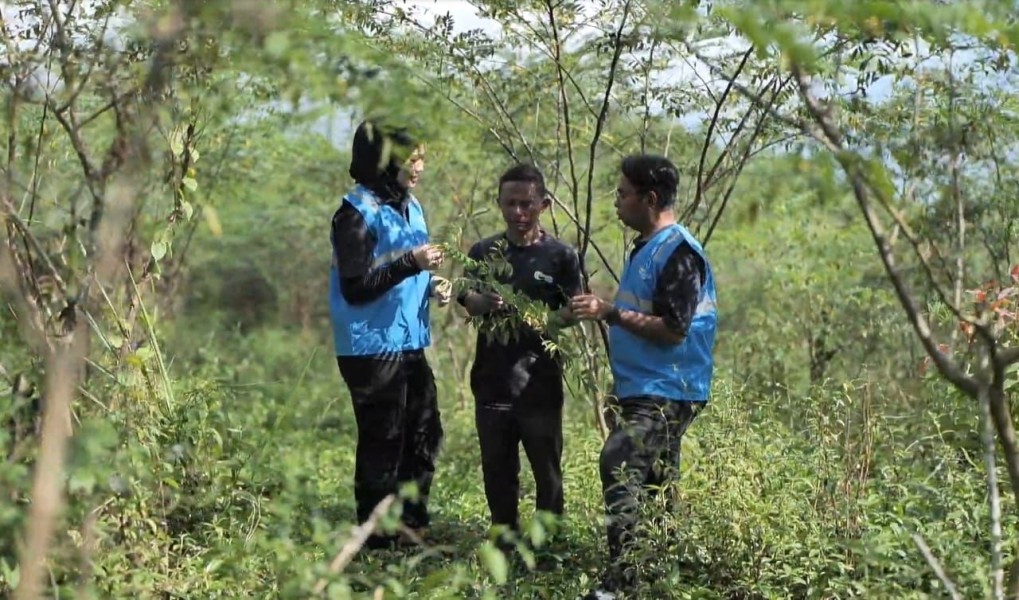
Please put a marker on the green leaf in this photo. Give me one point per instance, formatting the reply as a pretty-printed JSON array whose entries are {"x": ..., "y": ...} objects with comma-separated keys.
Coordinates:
[
  {"x": 276, "y": 43},
  {"x": 116, "y": 340},
  {"x": 177, "y": 142},
  {"x": 538, "y": 535},
  {"x": 495, "y": 562},
  {"x": 158, "y": 250},
  {"x": 189, "y": 183},
  {"x": 81, "y": 482},
  {"x": 212, "y": 220},
  {"x": 11, "y": 574}
]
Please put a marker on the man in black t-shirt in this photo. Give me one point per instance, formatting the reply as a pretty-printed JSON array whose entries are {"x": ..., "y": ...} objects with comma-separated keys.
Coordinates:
[{"x": 517, "y": 384}]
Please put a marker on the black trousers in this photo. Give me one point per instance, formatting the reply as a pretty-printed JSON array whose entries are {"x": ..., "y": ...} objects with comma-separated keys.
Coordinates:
[
  {"x": 501, "y": 431},
  {"x": 399, "y": 431},
  {"x": 641, "y": 454}
]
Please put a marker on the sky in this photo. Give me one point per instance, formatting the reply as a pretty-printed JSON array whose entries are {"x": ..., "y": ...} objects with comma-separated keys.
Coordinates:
[{"x": 689, "y": 70}]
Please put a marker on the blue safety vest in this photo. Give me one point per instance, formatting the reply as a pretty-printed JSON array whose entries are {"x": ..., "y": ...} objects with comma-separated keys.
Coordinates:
[
  {"x": 641, "y": 367},
  {"x": 399, "y": 319}
]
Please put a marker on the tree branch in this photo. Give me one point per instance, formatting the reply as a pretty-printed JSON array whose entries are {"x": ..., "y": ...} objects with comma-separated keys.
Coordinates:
[
  {"x": 554, "y": 51},
  {"x": 486, "y": 85},
  {"x": 739, "y": 169},
  {"x": 91, "y": 172},
  {"x": 567, "y": 124},
  {"x": 826, "y": 132},
  {"x": 936, "y": 566},
  {"x": 600, "y": 123},
  {"x": 699, "y": 192},
  {"x": 646, "y": 119},
  {"x": 361, "y": 533}
]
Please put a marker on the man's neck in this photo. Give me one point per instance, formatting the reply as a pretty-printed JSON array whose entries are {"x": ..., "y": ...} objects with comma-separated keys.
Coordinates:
[
  {"x": 663, "y": 220},
  {"x": 524, "y": 238}
]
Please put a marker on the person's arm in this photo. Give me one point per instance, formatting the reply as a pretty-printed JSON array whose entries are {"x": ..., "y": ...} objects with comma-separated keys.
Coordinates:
[
  {"x": 474, "y": 298},
  {"x": 673, "y": 303},
  {"x": 354, "y": 248}
]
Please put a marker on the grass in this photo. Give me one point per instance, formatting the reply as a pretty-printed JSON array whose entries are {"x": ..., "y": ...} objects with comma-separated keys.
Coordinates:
[{"x": 243, "y": 487}]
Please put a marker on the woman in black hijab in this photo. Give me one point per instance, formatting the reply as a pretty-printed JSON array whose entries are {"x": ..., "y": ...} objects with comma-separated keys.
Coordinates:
[{"x": 380, "y": 288}]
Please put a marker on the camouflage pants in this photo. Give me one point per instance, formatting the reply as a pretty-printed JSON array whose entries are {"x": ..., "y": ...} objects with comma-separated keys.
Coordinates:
[{"x": 641, "y": 454}]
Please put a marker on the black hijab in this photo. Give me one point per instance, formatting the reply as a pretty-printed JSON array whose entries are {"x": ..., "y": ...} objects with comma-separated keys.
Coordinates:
[{"x": 377, "y": 155}]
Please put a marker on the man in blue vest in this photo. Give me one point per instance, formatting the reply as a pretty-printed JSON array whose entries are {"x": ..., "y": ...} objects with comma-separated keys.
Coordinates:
[
  {"x": 661, "y": 341},
  {"x": 379, "y": 295}
]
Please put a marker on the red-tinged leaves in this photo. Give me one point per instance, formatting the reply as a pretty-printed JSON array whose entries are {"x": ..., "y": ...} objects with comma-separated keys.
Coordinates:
[
  {"x": 967, "y": 329},
  {"x": 1015, "y": 273}
]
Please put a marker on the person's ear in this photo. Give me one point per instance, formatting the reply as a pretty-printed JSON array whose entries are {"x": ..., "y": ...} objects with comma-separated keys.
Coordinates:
[
  {"x": 546, "y": 201},
  {"x": 652, "y": 199}
]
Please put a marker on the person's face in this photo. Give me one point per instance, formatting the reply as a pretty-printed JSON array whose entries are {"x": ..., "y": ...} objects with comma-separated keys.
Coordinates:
[
  {"x": 411, "y": 171},
  {"x": 521, "y": 203},
  {"x": 632, "y": 207}
]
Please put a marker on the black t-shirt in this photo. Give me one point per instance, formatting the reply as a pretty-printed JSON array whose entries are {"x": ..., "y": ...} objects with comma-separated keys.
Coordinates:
[
  {"x": 678, "y": 289},
  {"x": 521, "y": 371}
]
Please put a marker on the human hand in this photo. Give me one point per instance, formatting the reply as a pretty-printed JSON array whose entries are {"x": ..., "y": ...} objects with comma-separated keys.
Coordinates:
[
  {"x": 588, "y": 307},
  {"x": 442, "y": 289},
  {"x": 427, "y": 256},
  {"x": 479, "y": 303}
]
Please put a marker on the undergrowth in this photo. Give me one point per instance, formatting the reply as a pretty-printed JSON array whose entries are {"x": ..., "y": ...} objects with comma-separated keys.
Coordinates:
[{"x": 240, "y": 485}]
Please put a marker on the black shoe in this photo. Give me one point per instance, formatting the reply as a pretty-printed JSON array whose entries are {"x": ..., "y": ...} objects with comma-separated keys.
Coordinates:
[
  {"x": 613, "y": 585},
  {"x": 380, "y": 542}
]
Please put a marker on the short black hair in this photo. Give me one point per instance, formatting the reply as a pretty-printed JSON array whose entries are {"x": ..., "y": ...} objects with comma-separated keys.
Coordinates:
[
  {"x": 652, "y": 173},
  {"x": 525, "y": 173}
]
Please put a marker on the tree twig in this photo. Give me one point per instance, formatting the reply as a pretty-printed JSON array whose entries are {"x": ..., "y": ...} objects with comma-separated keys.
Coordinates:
[
  {"x": 699, "y": 191},
  {"x": 360, "y": 535},
  {"x": 600, "y": 123},
  {"x": 936, "y": 566}
]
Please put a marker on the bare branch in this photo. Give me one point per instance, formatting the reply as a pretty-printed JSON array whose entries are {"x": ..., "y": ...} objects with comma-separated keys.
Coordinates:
[
  {"x": 646, "y": 120},
  {"x": 91, "y": 171},
  {"x": 493, "y": 97},
  {"x": 600, "y": 123},
  {"x": 699, "y": 192},
  {"x": 554, "y": 51},
  {"x": 936, "y": 566},
  {"x": 564, "y": 104},
  {"x": 594, "y": 245},
  {"x": 91, "y": 66},
  {"x": 361, "y": 533},
  {"x": 742, "y": 162}
]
